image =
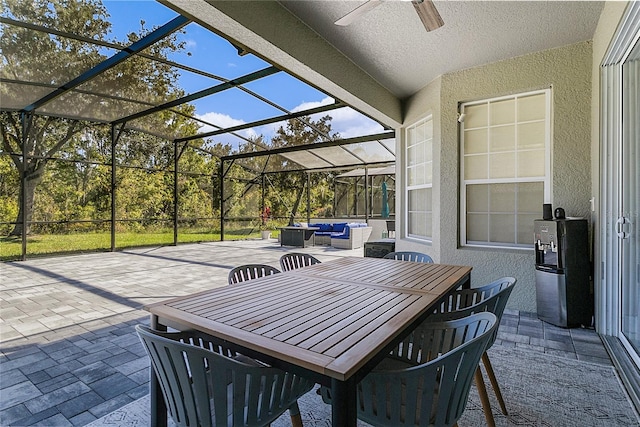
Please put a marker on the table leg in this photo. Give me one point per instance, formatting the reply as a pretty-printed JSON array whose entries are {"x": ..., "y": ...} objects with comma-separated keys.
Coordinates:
[
  {"x": 466, "y": 284},
  {"x": 158, "y": 406},
  {"x": 343, "y": 403}
]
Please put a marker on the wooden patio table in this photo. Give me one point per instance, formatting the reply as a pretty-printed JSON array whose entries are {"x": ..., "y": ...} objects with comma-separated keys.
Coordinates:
[{"x": 331, "y": 322}]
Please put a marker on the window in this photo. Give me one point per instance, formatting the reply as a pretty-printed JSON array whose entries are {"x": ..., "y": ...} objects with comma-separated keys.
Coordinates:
[
  {"x": 419, "y": 147},
  {"x": 505, "y": 164}
]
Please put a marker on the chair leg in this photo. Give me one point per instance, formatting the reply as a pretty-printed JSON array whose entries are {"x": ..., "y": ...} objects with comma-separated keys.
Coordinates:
[
  {"x": 296, "y": 420},
  {"x": 494, "y": 381},
  {"x": 294, "y": 413},
  {"x": 484, "y": 398}
]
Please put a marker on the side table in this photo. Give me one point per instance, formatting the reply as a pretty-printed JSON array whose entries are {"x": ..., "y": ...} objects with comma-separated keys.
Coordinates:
[{"x": 379, "y": 248}]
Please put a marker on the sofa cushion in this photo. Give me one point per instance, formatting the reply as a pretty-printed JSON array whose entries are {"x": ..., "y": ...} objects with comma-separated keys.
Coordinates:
[
  {"x": 342, "y": 235},
  {"x": 324, "y": 227},
  {"x": 338, "y": 227}
]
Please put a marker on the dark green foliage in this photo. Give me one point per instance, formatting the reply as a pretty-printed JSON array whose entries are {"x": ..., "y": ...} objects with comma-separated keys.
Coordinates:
[{"x": 68, "y": 166}]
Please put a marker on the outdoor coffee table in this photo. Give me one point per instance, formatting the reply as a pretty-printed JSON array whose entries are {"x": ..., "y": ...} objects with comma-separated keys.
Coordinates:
[
  {"x": 332, "y": 322},
  {"x": 298, "y": 236}
]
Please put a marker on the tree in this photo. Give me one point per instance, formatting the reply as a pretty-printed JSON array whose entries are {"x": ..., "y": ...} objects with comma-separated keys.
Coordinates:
[
  {"x": 296, "y": 133},
  {"x": 50, "y": 60},
  {"x": 198, "y": 183},
  {"x": 9, "y": 188}
]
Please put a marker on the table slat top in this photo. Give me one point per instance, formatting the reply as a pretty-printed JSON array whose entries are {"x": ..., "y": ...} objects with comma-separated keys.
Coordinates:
[
  {"x": 330, "y": 320},
  {"x": 400, "y": 275}
]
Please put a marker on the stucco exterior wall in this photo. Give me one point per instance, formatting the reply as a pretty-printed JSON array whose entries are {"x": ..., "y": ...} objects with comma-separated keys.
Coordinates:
[{"x": 567, "y": 70}]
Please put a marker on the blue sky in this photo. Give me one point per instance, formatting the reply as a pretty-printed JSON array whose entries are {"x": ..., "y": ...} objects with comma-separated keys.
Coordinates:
[{"x": 211, "y": 53}]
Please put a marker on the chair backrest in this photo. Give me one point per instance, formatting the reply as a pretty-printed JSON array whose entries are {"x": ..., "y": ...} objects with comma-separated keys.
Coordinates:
[
  {"x": 203, "y": 385},
  {"x": 442, "y": 359},
  {"x": 250, "y": 271},
  {"x": 294, "y": 260},
  {"x": 492, "y": 297},
  {"x": 409, "y": 256}
]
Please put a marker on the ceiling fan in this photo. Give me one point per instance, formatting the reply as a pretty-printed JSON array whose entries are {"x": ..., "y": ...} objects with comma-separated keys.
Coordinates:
[{"x": 426, "y": 11}]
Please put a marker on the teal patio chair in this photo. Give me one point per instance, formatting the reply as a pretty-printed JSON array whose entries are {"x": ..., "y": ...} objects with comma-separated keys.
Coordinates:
[
  {"x": 205, "y": 384},
  {"x": 250, "y": 271},
  {"x": 426, "y": 380},
  {"x": 409, "y": 256},
  {"x": 491, "y": 298},
  {"x": 294, "y": 260}
]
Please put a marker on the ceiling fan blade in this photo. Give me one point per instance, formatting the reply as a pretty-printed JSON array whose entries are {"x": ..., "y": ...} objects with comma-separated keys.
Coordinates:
[
  {"x": 428, "y": 14},
  {"x": 357, "y": 12}
]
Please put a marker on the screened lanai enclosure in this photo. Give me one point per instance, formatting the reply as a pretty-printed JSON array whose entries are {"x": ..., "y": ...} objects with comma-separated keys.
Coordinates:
[
  {"x": 125, "y": 126},
  {"x": 369, "y": 189}
]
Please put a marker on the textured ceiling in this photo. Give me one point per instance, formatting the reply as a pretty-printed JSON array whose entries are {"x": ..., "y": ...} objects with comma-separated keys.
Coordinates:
[{"x": 391, "y": 45}]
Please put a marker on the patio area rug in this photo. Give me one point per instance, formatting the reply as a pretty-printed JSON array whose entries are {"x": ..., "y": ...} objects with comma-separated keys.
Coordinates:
[{"x": 539, "y": 389}]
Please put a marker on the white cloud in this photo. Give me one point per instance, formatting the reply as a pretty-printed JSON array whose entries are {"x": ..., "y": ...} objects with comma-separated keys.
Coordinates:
[
  {"x": 345, "y": 121},
  {"x": 313, "y": 104},
  {"x": 225, "y": 121},
  {"x": 270, "y": 129},
  {"x": 218, "y": 119}
]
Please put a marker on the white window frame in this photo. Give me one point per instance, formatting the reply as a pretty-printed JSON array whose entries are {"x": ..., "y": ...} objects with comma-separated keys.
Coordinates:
[
  {"x": 546, "y": 180},
  {"x": 408, "y": 188}
]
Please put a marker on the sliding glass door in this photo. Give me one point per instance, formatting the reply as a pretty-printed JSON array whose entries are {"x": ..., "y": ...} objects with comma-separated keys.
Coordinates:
[
  {"x": 618, "y": 251},
  {"x": 628, "y": 227}
]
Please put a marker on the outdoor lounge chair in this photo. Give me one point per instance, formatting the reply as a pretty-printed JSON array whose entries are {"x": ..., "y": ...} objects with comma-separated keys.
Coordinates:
[
  {"x": 250, "y": 271},
  {"x": 426, "y": 380},
  {"x": 409, "y": 256},
  {"x": 206, "y": 384},
  {"x": 294, "y": 260},
  {"x": 352, "y": 237},
  {"x": 493, "y": 298}
]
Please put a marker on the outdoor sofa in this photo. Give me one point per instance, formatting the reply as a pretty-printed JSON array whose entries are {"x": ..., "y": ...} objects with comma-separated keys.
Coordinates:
[
  {"x": 323, "y": 236},
  {"x": 352, "y": 237},
  {"x": 343, "y": 235}
]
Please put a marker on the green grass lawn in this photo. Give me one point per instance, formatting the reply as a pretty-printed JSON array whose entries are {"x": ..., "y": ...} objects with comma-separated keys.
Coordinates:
[{"x": 45, "y": 244}]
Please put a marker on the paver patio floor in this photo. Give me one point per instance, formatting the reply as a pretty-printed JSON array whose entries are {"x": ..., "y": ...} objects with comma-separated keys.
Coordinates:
[{"x": 69, "y": 353}]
